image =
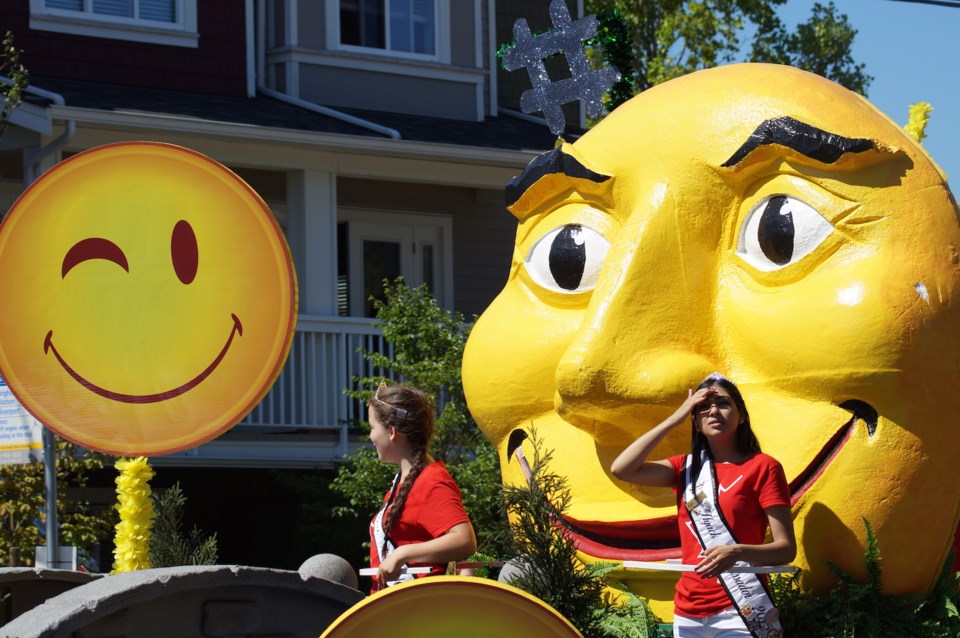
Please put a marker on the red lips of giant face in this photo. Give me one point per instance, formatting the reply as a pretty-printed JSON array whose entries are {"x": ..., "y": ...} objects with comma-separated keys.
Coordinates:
[
  {"x": 649, "y": 540},
  {"x": 658, "y": 539}
]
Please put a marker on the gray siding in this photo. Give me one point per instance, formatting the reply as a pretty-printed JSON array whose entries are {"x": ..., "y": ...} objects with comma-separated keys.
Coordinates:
[
  {"x": 462, "y": 34},
  {"x": 483, "y": 237},
  {"x": 351, "y": 88},
  {"x": 311, "y": 24}
]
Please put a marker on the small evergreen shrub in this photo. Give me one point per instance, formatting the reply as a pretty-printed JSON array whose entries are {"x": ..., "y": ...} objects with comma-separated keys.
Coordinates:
[
  {"x": 169, "y": 546},
  {"x": 548, "y": 566}
]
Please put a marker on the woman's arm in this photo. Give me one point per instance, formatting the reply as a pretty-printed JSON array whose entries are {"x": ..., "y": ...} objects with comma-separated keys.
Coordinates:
[
  {"x": 457, "y": 543},
  {"x": 632, "y": 465},
  {"x": 779, "y": 551}
]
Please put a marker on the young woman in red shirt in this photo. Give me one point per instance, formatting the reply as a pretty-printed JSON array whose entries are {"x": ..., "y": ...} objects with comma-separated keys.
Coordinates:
[
  {"x": 728, "y": 494},
  {"x": 422, "y": 522}
]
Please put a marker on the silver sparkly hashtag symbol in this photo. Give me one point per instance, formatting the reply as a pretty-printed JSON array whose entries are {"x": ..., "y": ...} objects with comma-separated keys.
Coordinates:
[{"x": 584, "y": 84}]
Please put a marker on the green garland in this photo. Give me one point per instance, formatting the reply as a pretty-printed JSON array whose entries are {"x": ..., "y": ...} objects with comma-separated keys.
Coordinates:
[{"x": 615, "y": 42}]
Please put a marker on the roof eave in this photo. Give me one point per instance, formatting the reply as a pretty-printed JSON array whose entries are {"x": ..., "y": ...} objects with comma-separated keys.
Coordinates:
[{"x": 128, "y": 120}]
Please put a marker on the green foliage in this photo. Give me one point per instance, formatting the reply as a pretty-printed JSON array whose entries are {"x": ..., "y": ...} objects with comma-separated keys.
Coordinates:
[
  {"x": 479, "y": 480},
  {"x": 613, "y": 38},
  {"x": 671, "y": 38},
  {"x": 169, "y": 547},
  {"x": 863, "y": 610},
  {"x": 23, "y": 503},
  {"x": 548, "y": 566},
  {"x": 627, "y": 617},
  {"x": 823, "y": 45},
  {"x": 483, "y": 571},
  {"x": 428, "y": 344},
  {"x": 10, "y": 66},
  {"x": 361, "y": 481}
]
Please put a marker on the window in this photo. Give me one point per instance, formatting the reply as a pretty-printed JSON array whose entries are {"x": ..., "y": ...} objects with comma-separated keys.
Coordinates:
[
  {"x": 172, "y": 22},
  {"x": 408, "y": 26},
  {"x": 156, "y": 10},
  {"x": 373, "y": 246}
]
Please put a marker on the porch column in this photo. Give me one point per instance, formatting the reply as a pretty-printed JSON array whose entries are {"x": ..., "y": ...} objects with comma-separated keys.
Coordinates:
[{"x": 312, "y": 234}]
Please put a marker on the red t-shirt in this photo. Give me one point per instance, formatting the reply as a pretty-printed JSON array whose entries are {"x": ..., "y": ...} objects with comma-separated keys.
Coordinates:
[
  {"x": 745, "y": 490},
  {"x": 433, "y": 506}
]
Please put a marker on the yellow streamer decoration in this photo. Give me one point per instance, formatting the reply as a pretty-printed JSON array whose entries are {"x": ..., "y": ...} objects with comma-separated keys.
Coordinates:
[
  {"x": 917, "y": 121},
  {"x": 131, "y": 544}
]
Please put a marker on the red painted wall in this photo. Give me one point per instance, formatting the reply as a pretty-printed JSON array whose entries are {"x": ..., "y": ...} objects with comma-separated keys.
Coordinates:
[{"x": 216, "y": 66}]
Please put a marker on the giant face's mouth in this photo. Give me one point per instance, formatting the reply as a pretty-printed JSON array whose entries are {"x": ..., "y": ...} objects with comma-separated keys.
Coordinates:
[
  {"x": 658, "y": 539},
  {"x": 236, "y": 329}
]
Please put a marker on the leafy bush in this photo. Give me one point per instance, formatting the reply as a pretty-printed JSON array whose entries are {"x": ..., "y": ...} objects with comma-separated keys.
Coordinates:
[
  {"x": 863, "y": 610},
  {"x": 23, "y": 506},
  {"x": 11, "y": 94}
]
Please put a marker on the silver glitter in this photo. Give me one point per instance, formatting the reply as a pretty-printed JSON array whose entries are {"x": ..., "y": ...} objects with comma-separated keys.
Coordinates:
[{"x": 585, "y": 84}]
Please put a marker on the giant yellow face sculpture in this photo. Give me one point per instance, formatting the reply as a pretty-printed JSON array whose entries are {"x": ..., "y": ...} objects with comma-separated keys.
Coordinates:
[
  {"x": 150, "y": 298},
  {"x": 767, "y": 223}
]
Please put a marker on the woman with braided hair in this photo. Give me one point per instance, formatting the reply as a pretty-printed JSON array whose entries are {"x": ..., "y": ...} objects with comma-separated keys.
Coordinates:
[{"x": 422, "y": 522}]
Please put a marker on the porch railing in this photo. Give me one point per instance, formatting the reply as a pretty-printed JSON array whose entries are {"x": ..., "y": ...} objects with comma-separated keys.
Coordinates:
[{"x": 308, "y": 394}]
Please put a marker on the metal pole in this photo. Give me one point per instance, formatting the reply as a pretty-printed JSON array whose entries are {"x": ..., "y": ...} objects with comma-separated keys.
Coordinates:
[{"x": 50, "y": 480}]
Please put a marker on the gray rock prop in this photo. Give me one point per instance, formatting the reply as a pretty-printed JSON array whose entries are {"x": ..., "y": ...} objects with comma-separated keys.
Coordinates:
[
  {"x": 207, "y": 601},
  {"x": 330, "y": 567},
  {"x": 27, "y": 587},
  {"x": 511, "y": 569}
]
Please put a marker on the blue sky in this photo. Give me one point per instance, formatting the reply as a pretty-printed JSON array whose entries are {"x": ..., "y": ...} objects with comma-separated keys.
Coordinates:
[{"x": 909, "y": 49}]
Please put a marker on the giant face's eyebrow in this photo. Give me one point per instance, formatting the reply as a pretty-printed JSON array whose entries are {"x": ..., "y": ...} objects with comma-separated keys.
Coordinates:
[
  {"x": 553, "y": 162},
  {"x": 803, "y": 138}
]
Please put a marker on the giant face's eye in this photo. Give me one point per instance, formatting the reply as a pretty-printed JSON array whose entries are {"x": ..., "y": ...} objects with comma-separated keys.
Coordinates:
[
  {"x": 779, "y": 231},
  {"x": 568, "y": 259}
]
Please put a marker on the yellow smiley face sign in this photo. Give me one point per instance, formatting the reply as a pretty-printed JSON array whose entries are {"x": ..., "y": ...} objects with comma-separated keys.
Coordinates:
[
  {"x": 769, "y": 224},
  {"x": 443, "y": 606},
  {"x": 149, "y": 299}
]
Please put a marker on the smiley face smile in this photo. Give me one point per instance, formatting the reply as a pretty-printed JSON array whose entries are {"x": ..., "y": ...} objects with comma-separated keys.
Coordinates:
[{"x": 48, "y": 346}]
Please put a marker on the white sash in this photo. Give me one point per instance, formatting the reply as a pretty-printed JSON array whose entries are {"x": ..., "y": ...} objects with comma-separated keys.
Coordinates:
[
  {"x": 747, "y": 591},
  {"x": 382, "y": 542}
]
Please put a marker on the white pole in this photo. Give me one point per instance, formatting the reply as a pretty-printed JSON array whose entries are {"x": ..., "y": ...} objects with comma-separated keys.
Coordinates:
[{"x": 50, "y": 481}]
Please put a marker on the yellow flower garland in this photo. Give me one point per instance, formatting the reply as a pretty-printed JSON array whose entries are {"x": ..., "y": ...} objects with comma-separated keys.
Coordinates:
[
  {"x": 917, "y": 121},
  {"x": 131, "y": 544}
]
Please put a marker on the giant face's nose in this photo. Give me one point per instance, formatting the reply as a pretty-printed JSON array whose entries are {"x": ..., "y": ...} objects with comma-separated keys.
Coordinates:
[{"x": 646, "y": 336}]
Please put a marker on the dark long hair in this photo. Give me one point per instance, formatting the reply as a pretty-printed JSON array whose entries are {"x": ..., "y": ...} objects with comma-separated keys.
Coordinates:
[
  {"x": 747, "y": 442},
  {"x": 410, "y": 412}
]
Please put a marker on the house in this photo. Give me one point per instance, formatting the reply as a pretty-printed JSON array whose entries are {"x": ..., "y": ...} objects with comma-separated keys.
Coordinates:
[{"x": 380, "y": 132}]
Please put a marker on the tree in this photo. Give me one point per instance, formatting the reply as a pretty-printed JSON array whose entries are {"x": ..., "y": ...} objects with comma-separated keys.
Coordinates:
[
  {"x": 10, "y": 94},
  {"x": 671, "y": 38},
  {"x": 823, "y": 45},
  {"x": 547, "y": 565},
  {"x": 23, "y": 503},
  {"x": 169, "y": 546},
  {"x": 428, "y": 344}
]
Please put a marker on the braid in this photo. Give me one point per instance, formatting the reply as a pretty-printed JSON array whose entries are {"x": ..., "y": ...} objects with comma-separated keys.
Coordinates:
[
  {"x": 410, "y": 412},
  {"x": 396, "y": 508}
]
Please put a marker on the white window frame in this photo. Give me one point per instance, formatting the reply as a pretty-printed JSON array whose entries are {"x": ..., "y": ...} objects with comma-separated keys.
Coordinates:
[
  {"x": 182, "y": 33},
  {"x": 441, "y": 15},
  {"x": 413, "y": 231}
]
